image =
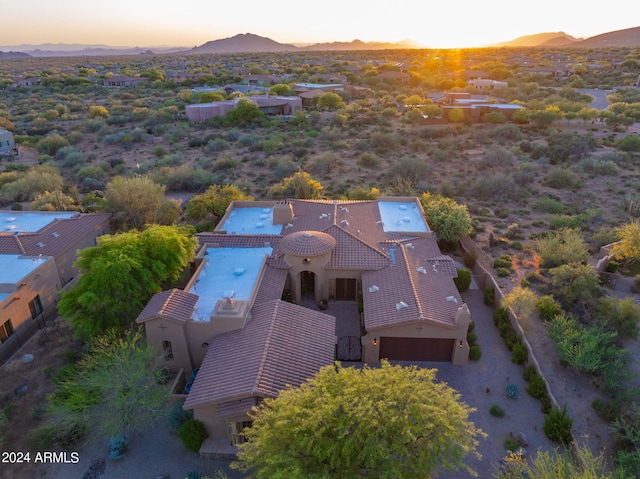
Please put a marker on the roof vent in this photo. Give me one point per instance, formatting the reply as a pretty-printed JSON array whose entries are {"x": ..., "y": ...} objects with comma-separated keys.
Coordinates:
[
  {"x": 12, "y": 218},
  {"x": 324, "y": 216},
  {"x": 260, "y": 225},
  {"x": 40, "y": 244},
  {"x": 403, "y": 207},
  {"x": 344, "y": 223},
  {"x": 373, "y": 288},
  {"x": 238, "y": 271},
  {"x": 11, "y": 227},
  {"x": 55, "y": 234},
  {"x": 452, "y": 299},
  {"x": 410, "y": 246},
  {"x": 401, "y": 305},
  {"x": 307, "y": 235},
  {"x": 267, "y": 244},
  {"x": 420, "y": 269},
  {"x": 289, "y": 225}
]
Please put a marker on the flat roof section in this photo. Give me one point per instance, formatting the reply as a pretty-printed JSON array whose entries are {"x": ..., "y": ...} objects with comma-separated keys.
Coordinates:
[
  {"x": 228, "y": 272},
  {"x": 402, "y": 217},
  {"x": 27, "y": 221},
  {"x": 253, "y": 221},
  {"x": 15, "y": 267}
]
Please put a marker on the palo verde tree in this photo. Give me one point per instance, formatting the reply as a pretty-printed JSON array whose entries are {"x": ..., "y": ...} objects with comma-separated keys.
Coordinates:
[
  {"x": 403, "y": 424},
  {"x": 121, "y": 274},
  {"x": 628, "y": 246},
  {"x": 449, "y": 219},
  {"x": 214, "y": 202},
  {"x": 330, "y": 101},
  {"x": 300, "y": 186}
]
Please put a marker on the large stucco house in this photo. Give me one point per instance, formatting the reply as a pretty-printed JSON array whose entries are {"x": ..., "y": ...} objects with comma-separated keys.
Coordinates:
[{"x": 245, "y": 343}]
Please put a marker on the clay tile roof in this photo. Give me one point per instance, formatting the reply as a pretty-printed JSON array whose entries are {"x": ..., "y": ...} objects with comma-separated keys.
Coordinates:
[
  {"x": 274, "y": 350},
  {"x": 308, "y": 243},
  {"x": 242, "y": 241},
  {"x": 10, "y": 244},
  {"x": 236, "y": 408},
  {"x": 271, "y": 285},
  {"x": 410, "y": 290},
  {"x": 174, "y": 304},
  {"x": 353, "y": 253},
  {"x": 62, "y": 234}
]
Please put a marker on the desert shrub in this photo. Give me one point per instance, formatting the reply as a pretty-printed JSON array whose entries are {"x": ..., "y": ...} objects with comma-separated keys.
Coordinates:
[
  {"x": 472, "y": 338},
  {"x": 557, "y": 426},
  {"x": 475, "y": 352},
  {"x": 490, "y": 295},
  {"x": 511, "y": 444},
  {"x": 529, "y": 372},
  {"x": 561, "y": 178},
  {"x": 519, "y": 353},
  {"x": 412, "y": 169},
  {"x": 620, "y": 315},
  {"x": 497, "y": 158},
  {"x": 598, "y": 167},
  {"x": 470, "y": 258},
  {"x": 504, "y": 261},
  {"x": 507, "y": 132},
  {"x": 557, "y": 222},
  {"x": 369, "y": 160},
  {"x": 496, "y": 411},
  {"x": 50, "y": 144},
  {"x": 607, "y": 411},
  {"x": 537, "y": 388},
  {"x": 58, "y": 435},
  {"x": 177, "y": 416},
  {"x": 325, "y": 164},
  {"x": 497, "y": 186},
  {"x": 195, "y": 143},
  {"x": 562, "y": 247},
  {"x": 549, "y": 205},
  {"x": 463, "y": 280},
  {"x": 225, "y": 163},
  {"x": 547, "y": 307},
  {"x": 630, "y": 143},
  {"x": 192, "y": 434},
  {"x": 216, "y": 145}
]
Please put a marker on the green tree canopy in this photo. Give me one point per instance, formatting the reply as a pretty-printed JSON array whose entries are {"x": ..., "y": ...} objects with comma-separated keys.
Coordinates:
[
  {"x": 245, "y": 113},
  {"x": 300, "y": 186},
  {"x": 562, "y": 247},
  {"x": 214, "y": 202},
  {"x": 575, "y": 285},
  {"x": 449, "y": 219},
  {"x": 117, "y": 388},
  {"x": 134, "y": 202},
  {"x": 281, "y": 89},
  {"x": 330, "y": 101},
  {"x": 403, "y": 424},
  {"x": 121, "y": 274}
]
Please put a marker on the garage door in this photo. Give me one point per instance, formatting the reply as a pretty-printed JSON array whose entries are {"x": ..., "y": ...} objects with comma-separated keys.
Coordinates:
[{"x": 416, "y": 349}]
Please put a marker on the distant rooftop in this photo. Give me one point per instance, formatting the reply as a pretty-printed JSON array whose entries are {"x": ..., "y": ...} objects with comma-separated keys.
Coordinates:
[
  {"x": 14, "y": 267},
  {"x": 27, "y": 221}
]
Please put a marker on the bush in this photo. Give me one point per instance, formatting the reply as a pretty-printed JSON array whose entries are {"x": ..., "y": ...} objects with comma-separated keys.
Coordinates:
[
  {"x": 57, "y": 435},
  {"x": 519, "y": 353},
  {"x": 470, "y": 258},
  {"x": 192, "y": 434},
  {"x": 557, "y": 426},
  {"x": 529, "y": 373},
  {"x": 490, "y": 295},
  {"x": 472, "y": 338},
  {"x": 561, "y": 178},
  {"x": 475, "y": 352},
  {"x": 547, "y": 307},
  {"x": 537, "y": 388},
  {"x": 503, "y": 272},
  {"x": 463, "y": 280},
  {"x": 496, "y": 411},
  {"x": 503, "y": 261},
  {"x": 607, "y": 411}
]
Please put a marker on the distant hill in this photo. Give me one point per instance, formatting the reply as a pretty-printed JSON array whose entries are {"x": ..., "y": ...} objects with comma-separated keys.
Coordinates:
[
  {"x": 13, "y": 55},
  {"x": 77, "y": 49},
  {"x": 244, "y": 42},
  {"x": 360, "y": 45},
  {"x": 629, "y": 37},
  {"x": 538, "y": 39}
]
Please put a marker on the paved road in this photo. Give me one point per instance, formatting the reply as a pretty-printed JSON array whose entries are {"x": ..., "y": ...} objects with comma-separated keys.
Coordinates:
[{"x": 600, "y": 101}]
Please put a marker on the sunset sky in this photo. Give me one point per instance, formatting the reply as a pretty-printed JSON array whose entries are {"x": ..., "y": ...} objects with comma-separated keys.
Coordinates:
[{"x": 188, "y": 23}]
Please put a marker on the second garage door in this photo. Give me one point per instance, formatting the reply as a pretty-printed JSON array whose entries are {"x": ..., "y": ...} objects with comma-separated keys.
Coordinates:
[{"x": 416, "y": 349}]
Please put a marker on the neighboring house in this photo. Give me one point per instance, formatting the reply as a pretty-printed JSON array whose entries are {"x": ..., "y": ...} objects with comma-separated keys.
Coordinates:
[
  {"x": 123, "y": 81},
  {"x": 486, "y": 84},
  {"x": 7, "y": 143},
  {"x": 270, "y": 105},
  {"x": 26, "y": 82},
  {"x": 230, "y": 329},
  {"x": 37, "y": 255},
  {"x": 400, "y": 77},
  {"x": 474, "y": 107}
]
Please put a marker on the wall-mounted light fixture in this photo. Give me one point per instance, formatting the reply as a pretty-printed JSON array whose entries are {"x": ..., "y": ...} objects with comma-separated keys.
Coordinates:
[
  {"x": 306, "y": 260},
  {"x": 23, "y": 284},
  {"x": 375, "y": 341},
  {"x": 460, "y": 344}
]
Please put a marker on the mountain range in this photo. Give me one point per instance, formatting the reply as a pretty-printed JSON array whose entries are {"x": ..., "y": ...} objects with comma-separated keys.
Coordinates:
[{"x": 249, "y": 42}]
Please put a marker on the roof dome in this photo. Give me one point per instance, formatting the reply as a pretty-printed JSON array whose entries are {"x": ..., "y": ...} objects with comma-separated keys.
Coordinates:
[{"x": 308, "y": 243}]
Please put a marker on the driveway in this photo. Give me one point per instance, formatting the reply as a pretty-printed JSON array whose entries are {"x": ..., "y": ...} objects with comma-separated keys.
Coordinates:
[{"x": 600, "y": 101}]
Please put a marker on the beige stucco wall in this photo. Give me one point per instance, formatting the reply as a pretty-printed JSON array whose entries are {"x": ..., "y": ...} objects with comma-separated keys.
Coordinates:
[
  {"x": 423, "y": 329},
  {"x": 298, "y": 265},
  {"x": 159, "y": 330},
  {"x": 66, "y": 261}
]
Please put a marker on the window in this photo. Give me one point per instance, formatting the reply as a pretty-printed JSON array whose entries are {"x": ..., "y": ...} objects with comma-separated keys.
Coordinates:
[
  {"x": 6, "y": 330},
  {"x": 35, "y": 305},
  {"x": 236, "y": 431}
]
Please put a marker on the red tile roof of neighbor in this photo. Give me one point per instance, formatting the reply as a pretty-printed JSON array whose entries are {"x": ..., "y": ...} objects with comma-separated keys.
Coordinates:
[
  {"x": 174, "y": 304},
  {"x": 10, "y": 244},
  {"x": 282, "y": 345},
  {"x": 61, "y": 234},
  {"x": 415, "y": 288}
]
